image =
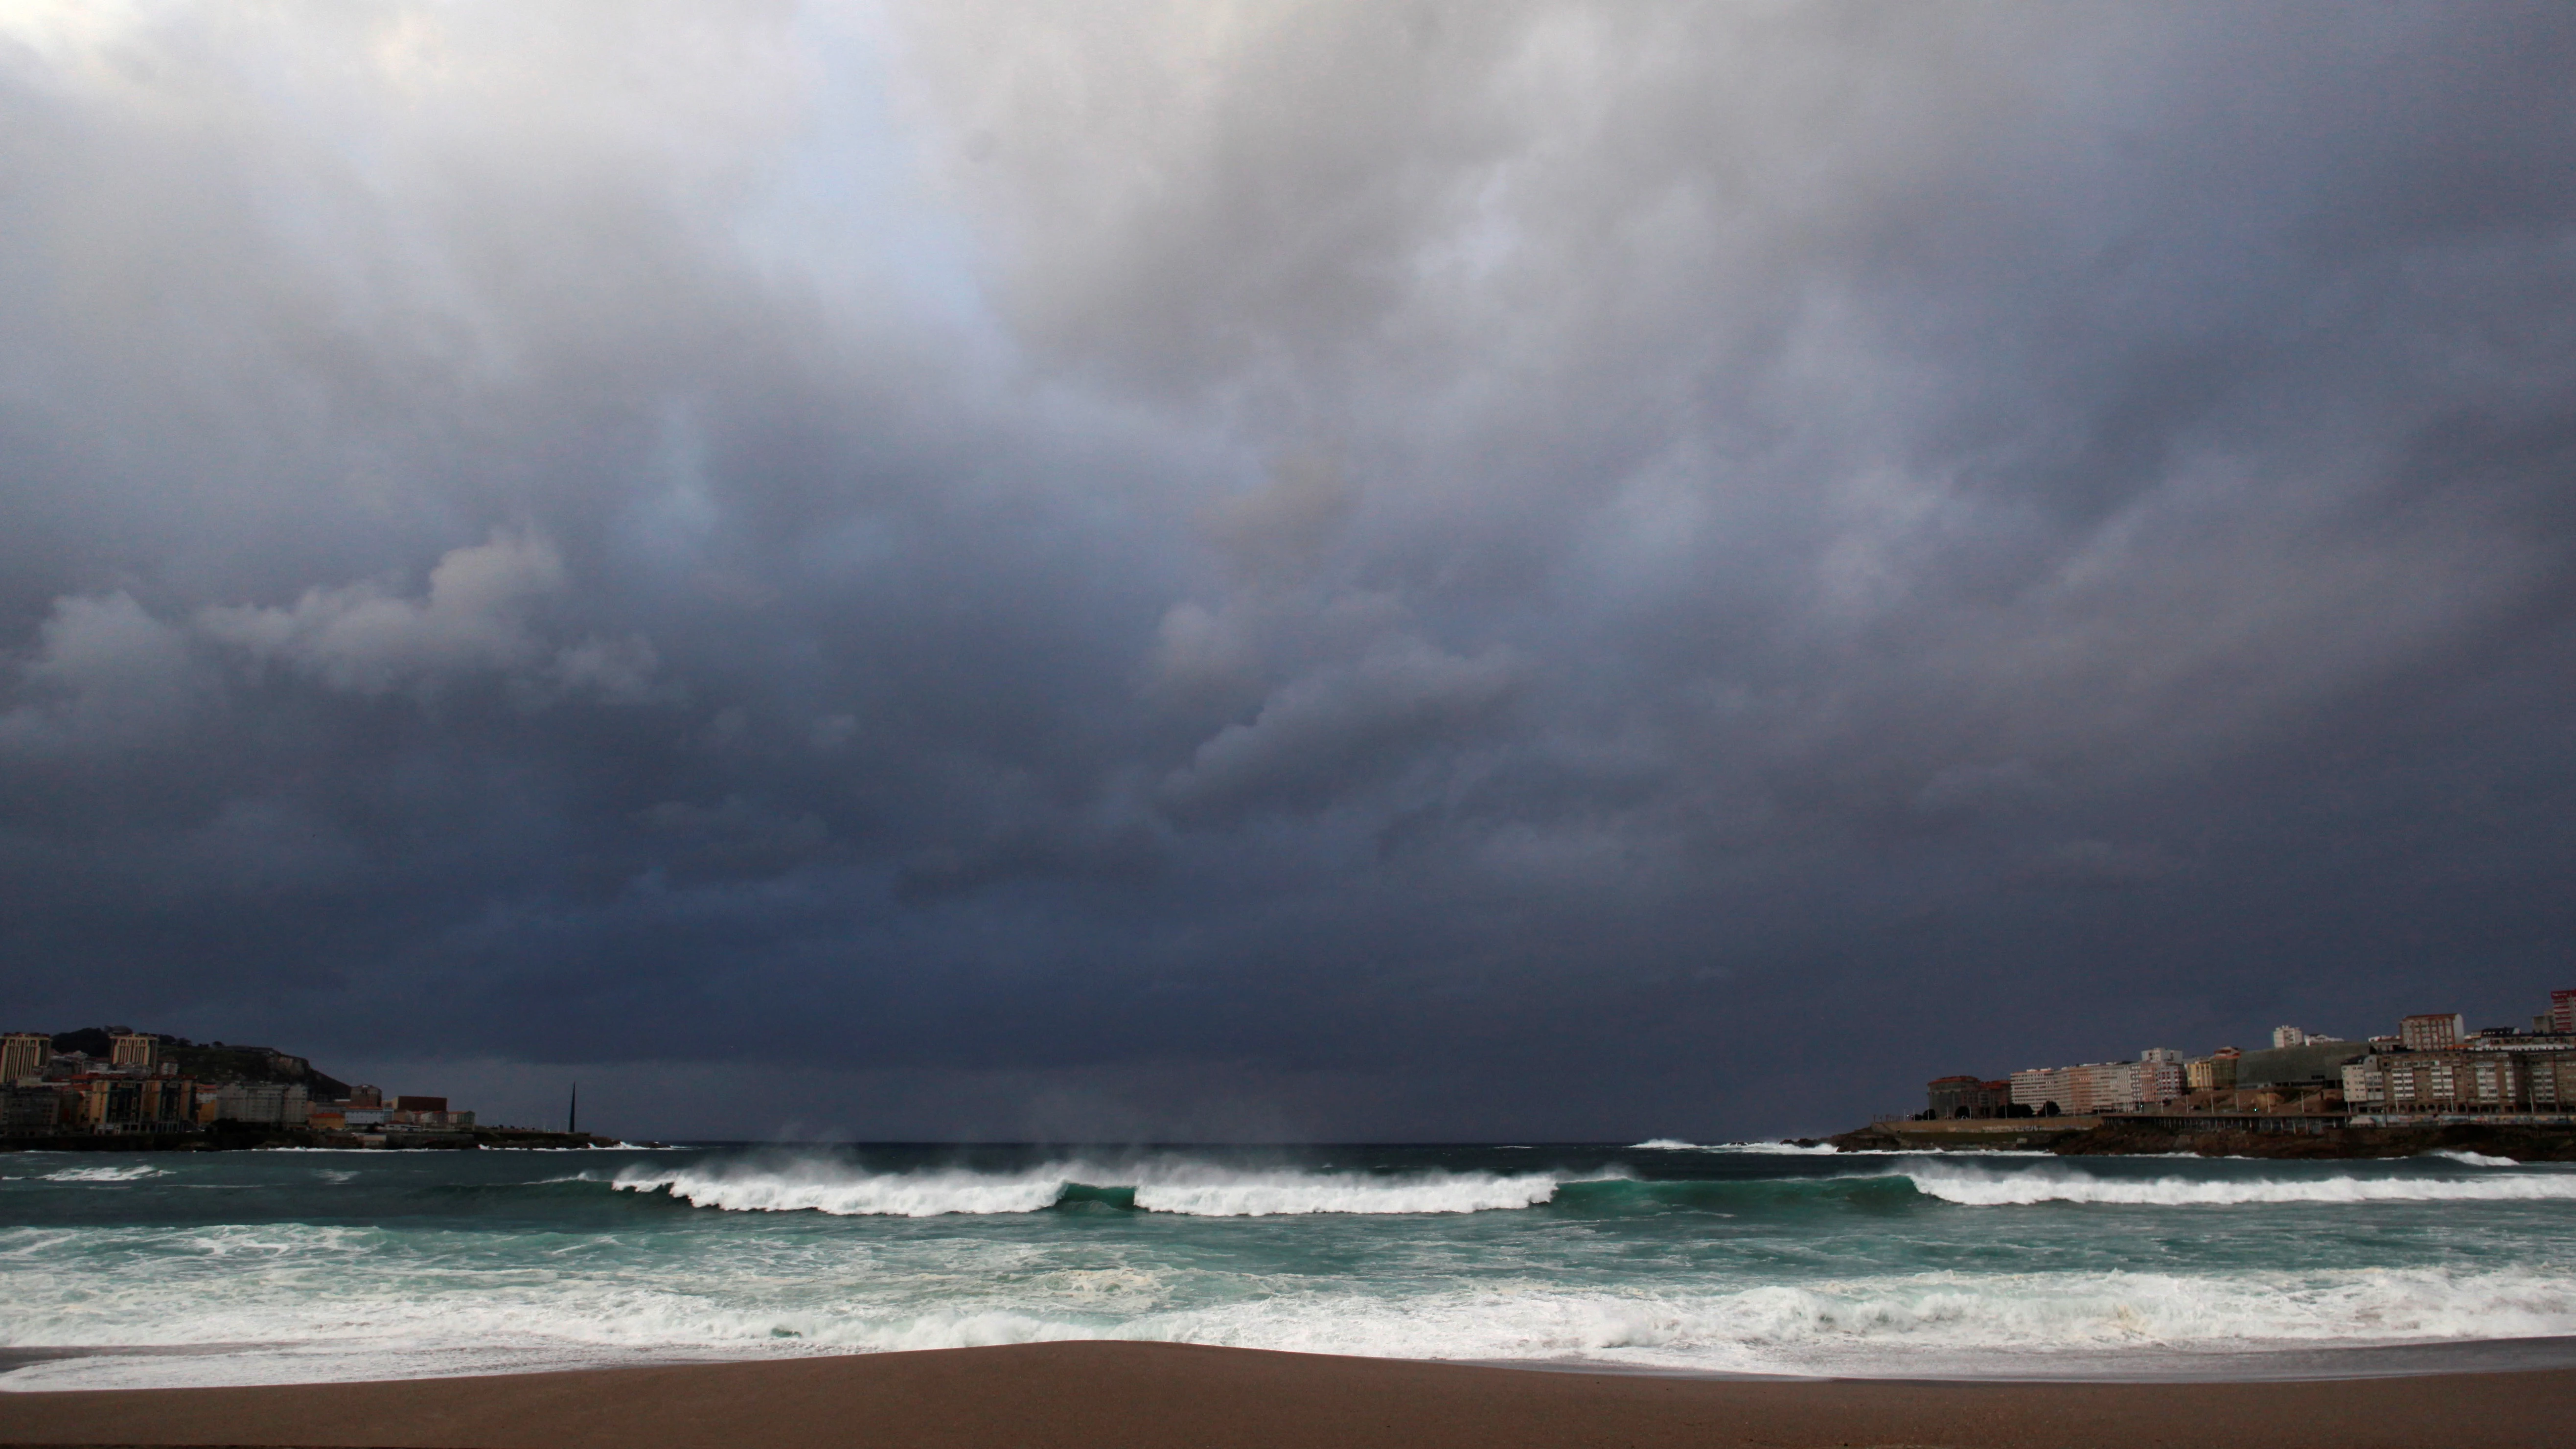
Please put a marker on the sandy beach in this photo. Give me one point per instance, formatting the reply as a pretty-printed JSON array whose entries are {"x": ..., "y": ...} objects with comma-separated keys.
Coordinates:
[{"x": 1144, "y": 1395}]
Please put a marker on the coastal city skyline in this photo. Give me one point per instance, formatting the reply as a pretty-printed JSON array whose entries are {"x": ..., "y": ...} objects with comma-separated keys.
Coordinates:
[
  {"x": 112, "y": 1086},
  {"x": 1137, "y": 724},
  {"x": 2433, "y": 1067},
  {"x": 112, "y": 1081}
]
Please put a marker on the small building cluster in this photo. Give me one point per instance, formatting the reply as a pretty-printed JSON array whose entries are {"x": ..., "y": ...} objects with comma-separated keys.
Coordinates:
[
  {"x": 2431, "y": 1065},
  {"x": 116, "y": 1082}
]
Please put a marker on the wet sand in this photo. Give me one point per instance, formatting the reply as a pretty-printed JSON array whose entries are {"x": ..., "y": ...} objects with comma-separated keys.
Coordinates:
[{"x": 1146, "y": 1396}]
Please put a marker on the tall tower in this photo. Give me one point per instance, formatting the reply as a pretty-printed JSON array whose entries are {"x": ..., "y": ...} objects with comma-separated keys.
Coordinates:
[{"x": 2562, "y": 1011}]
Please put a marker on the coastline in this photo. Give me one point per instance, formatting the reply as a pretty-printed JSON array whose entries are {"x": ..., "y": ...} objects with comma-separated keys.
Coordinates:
[
  {"x": 1145, "y": 1395},
  {"x": 268, "y": 1139},
  {"x": 2287, "y": 1138}
]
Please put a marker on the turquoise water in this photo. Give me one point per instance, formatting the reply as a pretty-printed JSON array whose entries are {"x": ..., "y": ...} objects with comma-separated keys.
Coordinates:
[{"x": 282, "y": 1266}]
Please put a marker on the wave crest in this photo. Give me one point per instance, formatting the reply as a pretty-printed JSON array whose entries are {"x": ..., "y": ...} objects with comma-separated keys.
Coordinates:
[
  {"x": 842, "y": 1193},
  {"x": 1189, "y": 1189},
  {"x": 1253, "y": 1195},
  {"x": 2473, "y": 1159},
  {"x": 104, "y": 1174},
  {"x": 1772, "y": 1149}
]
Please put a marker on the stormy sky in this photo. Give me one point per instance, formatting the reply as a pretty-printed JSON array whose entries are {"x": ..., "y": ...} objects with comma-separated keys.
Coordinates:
[{"x": 1380, "y": 570}]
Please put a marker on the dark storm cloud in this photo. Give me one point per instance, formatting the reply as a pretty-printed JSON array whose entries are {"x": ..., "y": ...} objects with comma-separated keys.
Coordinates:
[{"x": 1530, "y": 569}]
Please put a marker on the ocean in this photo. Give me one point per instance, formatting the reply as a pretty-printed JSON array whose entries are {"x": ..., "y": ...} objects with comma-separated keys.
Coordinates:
[{"x": 152, "y": 1269}]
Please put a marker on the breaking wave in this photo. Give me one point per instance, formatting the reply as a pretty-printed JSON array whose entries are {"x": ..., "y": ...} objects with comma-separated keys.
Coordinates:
[
  {"x": 843, "y": 1193},
  {"x": 1974, "y": 1188},
  {"x": 103, "y": 1174},
  {"x": 1775, "y": 1149},
  {"x": 2473, "y": 1159},
  {"x": 1272, "y": 1194},
  {"x": 1207, "y": 1190},
  {"x": 1189, "y": 1189}
]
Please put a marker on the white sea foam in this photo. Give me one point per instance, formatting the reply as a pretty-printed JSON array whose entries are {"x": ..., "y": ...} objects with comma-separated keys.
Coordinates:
[
  {"x": 1217, "y": 1194},
  {"x": 2474, "y": 1159},
  {"x": 104, "y": 1174},
  {"x": 1977, "y": 1188},
  {"x": 1191, "y": 1189},
  {"x": 1774, "y": 1149},
  {"x": 1826, "y": 1149},
  {"x": 325, "y": 1309},
  {"x": 1889, "y": 1324},
  {"x": 842, "y": 1192}
]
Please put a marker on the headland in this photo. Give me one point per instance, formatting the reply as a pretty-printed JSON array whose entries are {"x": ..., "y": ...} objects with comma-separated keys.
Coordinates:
[
  {"x": 114, "y": 1089},
  {"x": 2433, "y": 1085}
]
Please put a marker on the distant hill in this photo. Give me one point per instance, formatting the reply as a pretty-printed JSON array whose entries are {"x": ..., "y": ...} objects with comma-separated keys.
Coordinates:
[{"x": 215, "y": 1061}]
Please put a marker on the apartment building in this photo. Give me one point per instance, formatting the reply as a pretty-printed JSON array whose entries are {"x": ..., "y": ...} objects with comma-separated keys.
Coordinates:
[
  {"x": 2433, "y": 1031},
  {"x": 24, "y": 1054}
]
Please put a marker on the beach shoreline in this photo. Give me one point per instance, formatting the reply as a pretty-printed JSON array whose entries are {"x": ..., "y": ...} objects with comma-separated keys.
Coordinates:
[
  {"x": 2268, "y": 1364},
  {"x": 1144, "y": 1395}
]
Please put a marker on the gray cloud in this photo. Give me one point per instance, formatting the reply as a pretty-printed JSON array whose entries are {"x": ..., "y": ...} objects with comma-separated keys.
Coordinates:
[
  {"x": 1448, "y": 559},
  {"x": 1337, "y": 729},
  {"x": 361, "y": 639},
  {"x": 104, "y": 673}
]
